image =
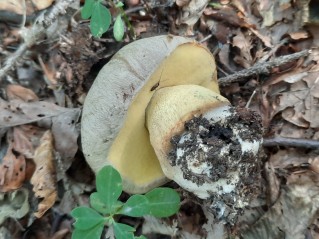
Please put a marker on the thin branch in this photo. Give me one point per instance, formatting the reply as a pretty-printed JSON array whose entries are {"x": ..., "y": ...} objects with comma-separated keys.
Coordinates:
[
  {"x": 291, "y": 142},
  {"x": 32, "y": 35},
  {"x": 262, "y": 68}
]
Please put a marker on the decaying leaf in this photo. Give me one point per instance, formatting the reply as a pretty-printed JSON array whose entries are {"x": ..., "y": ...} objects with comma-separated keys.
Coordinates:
[
  {"x": 244, "y": 44},
  {"x": 14, "y": 204},
  {"x": 26, "y": 138},
  {"x": 44, "y": 179},
  {"x": 17, "y": 92},
  {"x": 191, "y": 12},
  {"x": 299, "y": 105},
  {"x": 17, "y": 6},
  {"x": 62, "y": 120},
  {"x": 12, "y": 170},
  {"x": 66, "y": 131},
  {"x": 294, "y": 211},
  {"x": 18, "y": 112}
]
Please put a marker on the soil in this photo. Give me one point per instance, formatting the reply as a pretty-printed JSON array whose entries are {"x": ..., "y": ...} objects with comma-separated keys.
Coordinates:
[{"x": 205, "y": 142}]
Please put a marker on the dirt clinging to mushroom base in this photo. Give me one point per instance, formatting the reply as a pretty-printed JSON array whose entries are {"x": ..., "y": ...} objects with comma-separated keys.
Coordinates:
[{"x": 223, "y": 154}]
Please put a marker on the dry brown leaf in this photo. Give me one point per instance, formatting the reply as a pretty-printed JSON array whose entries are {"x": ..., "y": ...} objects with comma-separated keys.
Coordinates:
[
  {"x": 44, "y": 178},
  {"x": 66, "y": 133},
  {"x": 60, "y": 234},
  {"x": 182, "y": 3},
  {"x": 299, "y": 105},
  {"x": 315, "y": 34},
  {"x": 191, "y": 12},
  {"x": 294, "y": 211},
  {"x": 26, "y": 138},
  {"x": 17, "y": 112},
  {"x": 274, "y": 11},
  {"x": 63, "y": 122},
  {"x": 244, "y": 43},
  {"x": 299, "y": 35},
  {"x": 227, "y": 15},
  {"x": 224, "y": 55},
  {"x": 17, "y": 7},
  {"x": 141, "y": 26},
  {"x": 288, "y": 158},
  {"x": 42, "y": 4},
  {"x": 12, "y": 170},
  {"x": 17, "y": 92}
]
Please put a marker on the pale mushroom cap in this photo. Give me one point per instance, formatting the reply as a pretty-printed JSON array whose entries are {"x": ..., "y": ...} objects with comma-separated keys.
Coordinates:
[
  {"x": 113, "y": 121},
  {"x": 215, "y": 154}
]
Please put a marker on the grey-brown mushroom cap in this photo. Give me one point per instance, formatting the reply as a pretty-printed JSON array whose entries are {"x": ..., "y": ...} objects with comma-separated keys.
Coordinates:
[{"x": 115, "y": 87}]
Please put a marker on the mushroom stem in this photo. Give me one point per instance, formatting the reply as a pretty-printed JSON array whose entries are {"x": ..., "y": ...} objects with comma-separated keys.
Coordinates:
[{"x": 205, "y": 145}]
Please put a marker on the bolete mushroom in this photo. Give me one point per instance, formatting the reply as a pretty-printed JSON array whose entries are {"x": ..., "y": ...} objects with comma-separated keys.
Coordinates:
[{"x": 155, "y": 113}]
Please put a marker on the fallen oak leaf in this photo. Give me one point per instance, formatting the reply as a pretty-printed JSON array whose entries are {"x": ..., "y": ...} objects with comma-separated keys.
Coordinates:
[
  {"x": 20, "y": 93},
  {"x": 14, "y": 204},
  {"x": 12, "y": 170},
  {"x": 44, "y": 179},
  {"x": 17, "y": 112},
  {"x": 26, "y": 138},
  {"x": 62, "y": 120}
]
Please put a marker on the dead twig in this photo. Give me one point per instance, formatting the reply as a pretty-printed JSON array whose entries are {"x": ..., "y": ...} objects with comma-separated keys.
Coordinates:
[
  {"x": 262, "y": 68},
  {"x": 32, "y": 35},
  {"x": 291, "y": 142}
]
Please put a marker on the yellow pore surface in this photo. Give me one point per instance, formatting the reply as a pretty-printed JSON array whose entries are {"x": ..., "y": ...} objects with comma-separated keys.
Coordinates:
[{"x": 131, "y": 153}]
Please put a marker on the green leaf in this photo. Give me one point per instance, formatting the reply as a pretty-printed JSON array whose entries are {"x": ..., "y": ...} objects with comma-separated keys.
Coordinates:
[
  {"x": 100, "y": 20},
  {"x": 86, "y": 218},
  {"x": 87, "y": 9},
  {"x": 93, "y": 233},
  {"x": 119, "y": 4},
  {"x": 123, "y": 231},
  {"x": 119, "y": 28},
  {"x": 164, "y": 202},
  {"x": 108, "y": 185},
  {"x": 97, "y": 203},
  {"x": 136, "y": 206}
]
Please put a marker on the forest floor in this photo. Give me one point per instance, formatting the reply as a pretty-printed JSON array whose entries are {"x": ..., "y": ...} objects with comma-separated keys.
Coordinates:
[{"x": 49, "y": 60}]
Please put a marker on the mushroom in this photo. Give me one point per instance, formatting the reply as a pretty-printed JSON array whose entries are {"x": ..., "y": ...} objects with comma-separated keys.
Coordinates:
[{"x": 155, "y": 113}]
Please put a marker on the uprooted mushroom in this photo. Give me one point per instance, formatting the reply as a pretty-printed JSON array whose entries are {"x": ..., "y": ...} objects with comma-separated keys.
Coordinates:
[{"x": 155, "y": 113}]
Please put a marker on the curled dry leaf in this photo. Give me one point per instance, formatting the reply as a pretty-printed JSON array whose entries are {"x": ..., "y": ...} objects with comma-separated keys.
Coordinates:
[
  {"x": 17, "y": 112},
  {"x": 66, "y": 132},
  {"x": 17, "y": 92},
  {"x": 26, "y": 138},
  {"x": 17, "y": 6},
  {"x": 14, "y": 205},
  {"x": 294, "y": 211},
  {"x": 191, "y": 12},
  {"x": 44, "y": 179},
  {"x": 12, "y": 170},
  {"x": 299, "y": 104},
  {"x": 244, "y": 43},
  {"x": 227, "y": 15},
  {"x": 63, "y": 122}
]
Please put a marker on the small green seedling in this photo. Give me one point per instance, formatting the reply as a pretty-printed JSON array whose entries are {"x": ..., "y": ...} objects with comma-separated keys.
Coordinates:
[
  {"x": 101, "y": 18},
  {"x": 89, "y": 224}
]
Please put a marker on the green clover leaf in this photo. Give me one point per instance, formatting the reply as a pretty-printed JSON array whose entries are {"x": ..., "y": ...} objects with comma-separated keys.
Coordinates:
[
  {"x": 97, "y": 202},
  {"x": 87, "y": 9},
  {"x": 136, "y": 206},
  {"x": 108, "y": 185},
  {"x": 100, "y": 19},
  {"x": 123, "y": 231},
  {"x": 164, "y": 202},
  {"x": 119, "y": 28},
  {"x": 86, "y": 218}
]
